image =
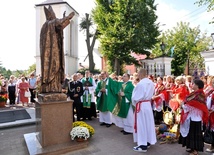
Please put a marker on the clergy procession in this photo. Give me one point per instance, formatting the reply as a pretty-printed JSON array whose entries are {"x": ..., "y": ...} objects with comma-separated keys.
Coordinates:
[{"x": 142, "y": 104}]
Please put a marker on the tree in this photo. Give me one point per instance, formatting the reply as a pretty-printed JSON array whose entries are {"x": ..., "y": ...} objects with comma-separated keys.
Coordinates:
[
  {"x": 86, "y": 24},
  {"x": 7, "y": 73},
  {"x": 125, "y": 26},
  {"x": 208, "y": 3},
  {"x": 31, "y": 69},
  {"x": 187, "y": 42}
]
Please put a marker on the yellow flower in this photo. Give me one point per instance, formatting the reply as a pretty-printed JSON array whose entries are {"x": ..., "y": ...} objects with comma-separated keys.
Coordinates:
[{"x": 83, "y": 124}]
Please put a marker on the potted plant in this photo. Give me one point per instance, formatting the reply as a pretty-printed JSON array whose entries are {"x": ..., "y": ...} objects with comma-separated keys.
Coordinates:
[
  {"x": 81, "y": 131},
  {"x": 3, "y": 99}
]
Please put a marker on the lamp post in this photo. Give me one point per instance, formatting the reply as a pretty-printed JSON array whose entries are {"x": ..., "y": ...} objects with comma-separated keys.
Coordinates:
[{"x": 162, "y": 47}]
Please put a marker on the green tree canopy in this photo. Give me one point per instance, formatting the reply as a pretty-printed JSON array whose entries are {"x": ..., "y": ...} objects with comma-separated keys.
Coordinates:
[
  {"x": 183, "y": 42},
  {"x": 125, "y": 26}
]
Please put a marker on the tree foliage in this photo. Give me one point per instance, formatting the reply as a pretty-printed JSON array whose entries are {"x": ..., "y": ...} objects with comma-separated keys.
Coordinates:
[
  {"x": 125, "y": 26},
  {"x": 208, "y": 3},
  {"x": 188, "y": 42},
  {"x": 7, "y": 73}
]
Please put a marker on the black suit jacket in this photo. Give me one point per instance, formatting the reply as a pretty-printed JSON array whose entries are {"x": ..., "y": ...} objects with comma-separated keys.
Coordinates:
[{"x": 75, "y": 88}]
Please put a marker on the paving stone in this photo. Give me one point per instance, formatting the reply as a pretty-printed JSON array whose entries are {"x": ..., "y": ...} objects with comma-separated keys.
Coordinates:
[{"x": 106, "y": 141}]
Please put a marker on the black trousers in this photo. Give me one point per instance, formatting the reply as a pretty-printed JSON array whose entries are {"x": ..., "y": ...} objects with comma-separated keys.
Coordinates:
[
  {"x": 12, "y": 97},
  {"x": 78, "y": 107},
  {"x": 90, "y": 112},
  {"x": 32, "y": 95}
]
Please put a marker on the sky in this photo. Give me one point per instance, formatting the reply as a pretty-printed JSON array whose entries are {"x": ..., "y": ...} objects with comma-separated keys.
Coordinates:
[{"x": 18, "y": 31}]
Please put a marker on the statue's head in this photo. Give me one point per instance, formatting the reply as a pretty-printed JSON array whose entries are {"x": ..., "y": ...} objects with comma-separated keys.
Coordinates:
[{"x": 49, "y": 13}]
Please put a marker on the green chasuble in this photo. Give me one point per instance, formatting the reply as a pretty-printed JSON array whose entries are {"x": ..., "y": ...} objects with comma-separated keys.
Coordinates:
[
  {"x": 89, "y": 79},
  {"x": 124, "y": 102},
  {"x": 87, "y": 97},
  {"x": 107, "y": 102}
]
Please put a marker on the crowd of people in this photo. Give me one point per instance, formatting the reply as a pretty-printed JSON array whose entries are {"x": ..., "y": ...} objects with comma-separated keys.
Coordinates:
[
  {"x": 15, "y": 88},
  {"x": 135, "y": 103}
]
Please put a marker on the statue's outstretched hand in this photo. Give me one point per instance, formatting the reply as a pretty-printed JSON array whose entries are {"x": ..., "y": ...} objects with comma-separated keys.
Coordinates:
[
  {"x": 71, "y": 15},
  {"x": 66, "y": 20}
]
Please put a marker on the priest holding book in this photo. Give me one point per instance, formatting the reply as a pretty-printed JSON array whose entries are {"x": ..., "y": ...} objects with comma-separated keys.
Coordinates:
[{"x": 88, "y": 98}]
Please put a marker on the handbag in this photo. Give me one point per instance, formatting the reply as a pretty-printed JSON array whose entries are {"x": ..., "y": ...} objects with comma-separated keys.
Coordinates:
[
  {"x": 208, "y": 137},
  {"x": 27, "y": 94}
]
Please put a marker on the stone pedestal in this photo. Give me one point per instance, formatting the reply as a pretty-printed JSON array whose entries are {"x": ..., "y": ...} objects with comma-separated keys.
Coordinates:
[
  {"x": 53, "y": 125},
  {"x": 54, "y": 122}
]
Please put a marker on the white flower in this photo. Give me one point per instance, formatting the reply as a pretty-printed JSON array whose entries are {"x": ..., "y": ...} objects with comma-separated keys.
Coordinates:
[{"x": 79, "y": 132}]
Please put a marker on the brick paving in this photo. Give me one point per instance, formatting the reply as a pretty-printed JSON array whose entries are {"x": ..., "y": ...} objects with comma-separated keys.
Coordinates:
[{"x": 106, "y": 141}]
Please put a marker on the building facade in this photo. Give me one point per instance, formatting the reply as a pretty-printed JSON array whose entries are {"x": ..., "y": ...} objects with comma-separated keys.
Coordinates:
[{"x": 209, "y": 61}]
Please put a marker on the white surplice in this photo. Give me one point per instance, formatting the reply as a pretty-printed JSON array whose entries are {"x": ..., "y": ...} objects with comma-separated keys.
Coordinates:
[
  {"x": 128, "y": 121},
  {"x": 91, "y": 90},
  {"x": 105, "y": 117},
  {"x": 143, "y": 91},
  {"x": 127, "y": 124}
]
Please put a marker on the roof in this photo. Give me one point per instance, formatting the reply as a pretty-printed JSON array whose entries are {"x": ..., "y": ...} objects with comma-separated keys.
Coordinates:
[
  {"x": 52, "y": 2},
  {"x": 138, "y": 56}
]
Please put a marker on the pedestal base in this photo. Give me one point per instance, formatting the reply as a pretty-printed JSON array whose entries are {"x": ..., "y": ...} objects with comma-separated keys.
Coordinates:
[
  {"x": 35, "y": 148},
  {"x": 54, "y": 122}
]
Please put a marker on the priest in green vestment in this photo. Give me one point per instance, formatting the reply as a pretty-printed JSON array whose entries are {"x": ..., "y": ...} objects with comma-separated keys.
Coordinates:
[
  {"x": 123, "y": 110},
  {"x": 88, "y": 98},
  {"x": 106, "y": 93}
]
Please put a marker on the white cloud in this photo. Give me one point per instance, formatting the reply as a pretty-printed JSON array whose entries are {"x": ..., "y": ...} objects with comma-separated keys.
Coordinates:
[
  {"x": 168, "y": 14},
  {"x": 17, "y": 34}
]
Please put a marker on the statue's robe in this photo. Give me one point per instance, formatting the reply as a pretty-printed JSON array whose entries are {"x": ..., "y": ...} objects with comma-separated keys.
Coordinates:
[{"x": 52, "y": 55}]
